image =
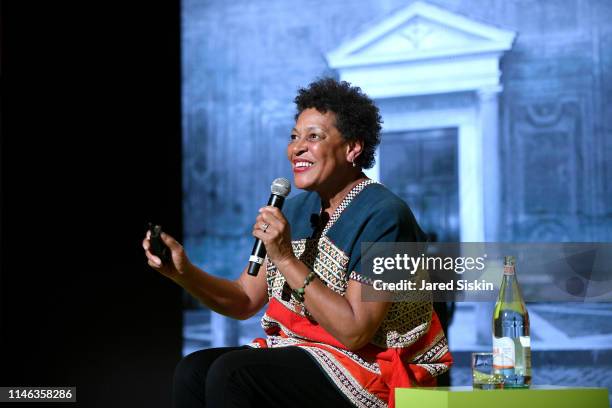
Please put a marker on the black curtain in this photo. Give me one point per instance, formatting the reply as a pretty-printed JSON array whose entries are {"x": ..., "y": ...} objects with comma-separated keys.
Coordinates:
[{"x": 91, "y": 135}]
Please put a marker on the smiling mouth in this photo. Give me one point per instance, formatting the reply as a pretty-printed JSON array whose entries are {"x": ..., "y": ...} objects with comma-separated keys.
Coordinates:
[{"x": 302, "y": 166}]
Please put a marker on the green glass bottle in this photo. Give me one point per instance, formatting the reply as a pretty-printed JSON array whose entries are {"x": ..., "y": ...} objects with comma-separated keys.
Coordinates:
[{"x": 511, "y": 342}]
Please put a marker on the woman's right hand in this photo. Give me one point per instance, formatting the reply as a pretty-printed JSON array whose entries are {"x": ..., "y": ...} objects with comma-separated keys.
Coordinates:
[{"x": 179, "y": 262}]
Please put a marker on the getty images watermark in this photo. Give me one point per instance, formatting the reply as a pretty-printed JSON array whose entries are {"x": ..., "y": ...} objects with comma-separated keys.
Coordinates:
[
  {"x": 411, "y": 265},
  {"x": 575, "y": 272}
]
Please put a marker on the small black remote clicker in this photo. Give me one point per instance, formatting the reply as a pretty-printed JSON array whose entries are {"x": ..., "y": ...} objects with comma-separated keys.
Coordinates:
[{"x": 158, "y": 248}]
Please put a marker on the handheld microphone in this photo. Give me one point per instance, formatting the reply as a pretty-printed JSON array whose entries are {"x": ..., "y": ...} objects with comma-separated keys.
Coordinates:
[{"x": 280, "y": 189}]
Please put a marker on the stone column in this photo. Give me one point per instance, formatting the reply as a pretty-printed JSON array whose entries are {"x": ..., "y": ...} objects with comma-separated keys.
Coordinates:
[{"x": 488, "y": 123}]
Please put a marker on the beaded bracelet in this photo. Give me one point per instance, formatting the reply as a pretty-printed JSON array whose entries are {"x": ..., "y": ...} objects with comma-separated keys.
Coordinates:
[{"x": 298, "y": 294}]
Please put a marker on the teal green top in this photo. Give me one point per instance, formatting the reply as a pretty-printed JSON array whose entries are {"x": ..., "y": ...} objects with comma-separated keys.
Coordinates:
[{"x": 374, "y": 215}]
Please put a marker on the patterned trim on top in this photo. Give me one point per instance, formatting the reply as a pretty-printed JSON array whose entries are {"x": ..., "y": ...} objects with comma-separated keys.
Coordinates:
[
  {"x": 345, "y": 203},
  {"x": 404, "y": 324},
  {"x": 321, "y": 256},
  {"x": 370, "y": 366},
  {"x": 343, "y": 379},
  {"x": 432, "y": 353},
  {"x": 435, "y": 369},
  {"x": 269, "y": 324},
  {"x": 361, "y": 278}
]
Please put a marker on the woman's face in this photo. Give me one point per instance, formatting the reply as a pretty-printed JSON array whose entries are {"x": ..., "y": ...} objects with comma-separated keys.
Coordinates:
[{"x": 317, "y": 151}]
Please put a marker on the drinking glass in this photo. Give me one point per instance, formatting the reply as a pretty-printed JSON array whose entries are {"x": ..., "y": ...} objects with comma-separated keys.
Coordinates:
[{"x": 483, "y": 376}]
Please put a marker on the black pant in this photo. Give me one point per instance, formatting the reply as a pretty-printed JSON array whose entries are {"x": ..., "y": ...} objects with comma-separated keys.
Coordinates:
[{"x": 247, "y": 377}]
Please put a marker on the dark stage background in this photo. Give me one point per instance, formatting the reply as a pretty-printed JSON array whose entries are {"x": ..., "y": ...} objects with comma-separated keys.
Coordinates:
[{"x": 91, "y": 151}]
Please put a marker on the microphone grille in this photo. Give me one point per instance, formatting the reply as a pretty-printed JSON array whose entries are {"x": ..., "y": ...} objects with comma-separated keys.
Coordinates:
[{"x": 281, "y": 186}]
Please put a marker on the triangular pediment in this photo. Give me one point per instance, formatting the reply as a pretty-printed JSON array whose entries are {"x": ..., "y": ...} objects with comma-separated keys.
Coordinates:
[{"x": 420, "y": 31}]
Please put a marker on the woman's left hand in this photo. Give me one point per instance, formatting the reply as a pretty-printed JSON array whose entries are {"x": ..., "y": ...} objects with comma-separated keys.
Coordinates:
[{"x": 277, "y": 234}]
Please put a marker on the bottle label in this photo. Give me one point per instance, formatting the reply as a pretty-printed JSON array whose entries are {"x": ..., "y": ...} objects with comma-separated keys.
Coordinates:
[
  {"x": 525, "y": 341},
  {"x": 503, "y": 352}
]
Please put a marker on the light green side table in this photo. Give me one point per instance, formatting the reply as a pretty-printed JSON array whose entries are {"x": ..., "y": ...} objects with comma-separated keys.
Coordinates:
[{"x": 538, "y": 396}]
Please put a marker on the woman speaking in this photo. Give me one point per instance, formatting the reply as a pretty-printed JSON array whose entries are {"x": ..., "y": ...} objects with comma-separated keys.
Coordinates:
[{"x": 324, "y": 346}]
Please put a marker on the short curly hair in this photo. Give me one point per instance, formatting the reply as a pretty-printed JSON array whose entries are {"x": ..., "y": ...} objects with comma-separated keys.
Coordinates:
[{"x": 357, "y": 117}]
